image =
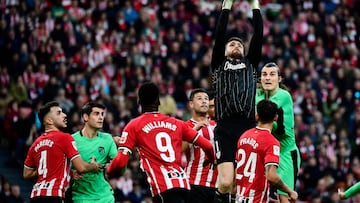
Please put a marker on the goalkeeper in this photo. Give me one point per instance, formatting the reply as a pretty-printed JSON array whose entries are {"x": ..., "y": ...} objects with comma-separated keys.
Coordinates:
[
  {"x": 234, "y": 82},
  {"x": 284, "y": 127}
]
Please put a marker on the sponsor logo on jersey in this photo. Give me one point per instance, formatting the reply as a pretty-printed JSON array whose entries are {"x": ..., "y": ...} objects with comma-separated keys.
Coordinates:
[
  {"x": 176, "y": 174},
  {"x": 230, "y": 66}
]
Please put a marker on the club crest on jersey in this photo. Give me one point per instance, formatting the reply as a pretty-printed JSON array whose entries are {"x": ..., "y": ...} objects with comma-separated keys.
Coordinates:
[
  {"x": 230, "y": 66},
  {"x": 101, "y": 150}
]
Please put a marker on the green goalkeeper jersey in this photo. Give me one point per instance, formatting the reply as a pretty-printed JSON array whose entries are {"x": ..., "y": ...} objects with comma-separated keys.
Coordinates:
[
  {"x": 94, "y": 185},
  {"x": 283, "y": 99}
]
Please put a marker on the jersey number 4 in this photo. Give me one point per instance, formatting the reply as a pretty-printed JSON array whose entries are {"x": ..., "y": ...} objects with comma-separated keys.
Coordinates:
[
  {"x": 42, "y": 169},
  {"x": 250, "y": 165}
]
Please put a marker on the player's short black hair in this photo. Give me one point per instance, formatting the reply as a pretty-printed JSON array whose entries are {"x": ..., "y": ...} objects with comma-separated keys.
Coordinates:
[
  {"x": 45, "y": 109},
  {"x": 266, "y": 111},
  {"x": 271, "y": 65},
  {"x": 148, "y": 94},
  {"x": 195, "y": 91},
  {"x": 87, "y": 108}
]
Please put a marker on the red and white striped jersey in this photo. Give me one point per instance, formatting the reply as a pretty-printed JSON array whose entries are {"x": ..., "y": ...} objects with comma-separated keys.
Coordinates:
[
  {"x": 197, "y": 173},
  {"x": 158, "y": 139},
  {"x": 256, "y": 149},
  {"x": 50, "y": 155}
]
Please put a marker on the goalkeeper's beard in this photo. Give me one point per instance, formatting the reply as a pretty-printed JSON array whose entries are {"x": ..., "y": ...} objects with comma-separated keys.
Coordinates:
[{"x": 236, "y": 55}]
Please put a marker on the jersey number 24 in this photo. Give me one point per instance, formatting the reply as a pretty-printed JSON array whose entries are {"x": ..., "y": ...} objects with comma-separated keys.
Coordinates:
[{"x": 249, "y": 167}]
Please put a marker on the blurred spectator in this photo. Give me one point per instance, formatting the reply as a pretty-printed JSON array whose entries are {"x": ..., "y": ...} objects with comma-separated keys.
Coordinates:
[
  {"x": 333, "y": 171},
  {"x": 137, "y": 173},
  {"x": 96, "y": 56},
  {"x": 50, "y": 89},
  {"x": 2, "y": 195},
  {"x": 307, "y": 148},
  {"x": 137, "y": 195},
  {"x": 5, "y": 99},
  {"x": 323, "y": 187},
  {"x": 23, "y": 128},
  {"x": 11, "y": 116},
  {"x": 118, "y": 194},
  {"x": 130, "y": 13},
  {"x": 65, "y": 103},
  {"x": 125, "y": 183},
  {"x": 309, "y": 177},
  {"x": 74, "y": 120},
  {"x": 15, "y": 196},
  {"x": 6, "y": 190},
  {"x": 18, "y": 89},
  {"x": 167, "y": 102},
  {"x": 326, "y": 152}
]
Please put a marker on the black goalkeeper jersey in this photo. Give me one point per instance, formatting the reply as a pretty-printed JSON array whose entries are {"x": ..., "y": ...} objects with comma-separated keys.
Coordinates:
[{"x": 235, "y": 81}]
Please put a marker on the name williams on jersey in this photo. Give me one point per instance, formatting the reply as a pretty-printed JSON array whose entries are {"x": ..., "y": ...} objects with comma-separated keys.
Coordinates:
[{"x": 158, "y": 124}]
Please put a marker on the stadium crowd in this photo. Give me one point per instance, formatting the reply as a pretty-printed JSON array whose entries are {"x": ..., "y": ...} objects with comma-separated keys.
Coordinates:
[{"x": 75, "y": 51}]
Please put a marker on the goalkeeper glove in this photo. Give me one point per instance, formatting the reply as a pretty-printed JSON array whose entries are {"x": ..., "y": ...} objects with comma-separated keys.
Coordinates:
[{"x": 280, "y": 122}]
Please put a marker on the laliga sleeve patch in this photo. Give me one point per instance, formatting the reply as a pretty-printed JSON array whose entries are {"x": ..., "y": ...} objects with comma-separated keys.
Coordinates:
[
  {"x": 74, "y": 145},
  {"x": 276, "y": 150},
  {"x": 123, "y": 137}
]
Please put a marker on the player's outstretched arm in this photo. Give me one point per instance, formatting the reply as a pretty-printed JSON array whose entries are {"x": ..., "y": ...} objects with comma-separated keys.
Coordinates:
[
  {"x": 220, "y": 35},
  {"x": 350, "y": 191},
  {"x": 275, "y": 180},
  {"x": 82, "y": 167},
  {"x": 341, "y": 194},
  {"x": 255, "y": 47},
  {"x": 118, "y": 165}
]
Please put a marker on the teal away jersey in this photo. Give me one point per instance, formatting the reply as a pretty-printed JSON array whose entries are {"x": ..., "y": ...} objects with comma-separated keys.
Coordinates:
[{"x": 94, "y": 185}]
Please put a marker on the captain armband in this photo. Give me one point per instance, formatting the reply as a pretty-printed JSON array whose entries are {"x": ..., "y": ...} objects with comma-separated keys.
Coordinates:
[{"x": 125, "y": 150}]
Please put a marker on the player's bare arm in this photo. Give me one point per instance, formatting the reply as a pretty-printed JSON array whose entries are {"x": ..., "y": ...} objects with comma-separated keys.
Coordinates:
[
  {"x": 29, "y": 173},
  {"x": 81, "y": 166},
  {"x": 275, "y": 180}
]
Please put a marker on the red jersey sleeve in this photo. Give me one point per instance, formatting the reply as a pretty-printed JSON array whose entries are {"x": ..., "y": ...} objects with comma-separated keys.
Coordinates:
[
  {"x": 128, "y": 136},
  {"x": 272, "y": 153},
  {"x": 189, "y": 134},
  {"x": 30, "y": 161},
  {"x": 68, "y": 142}
]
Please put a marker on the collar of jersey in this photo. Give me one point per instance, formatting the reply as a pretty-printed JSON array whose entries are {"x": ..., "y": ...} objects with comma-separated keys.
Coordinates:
[
  {"x": 257, "y": 127},
  {"x": 81, "y": 134},
  {"x": 153, "y": 112}
]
